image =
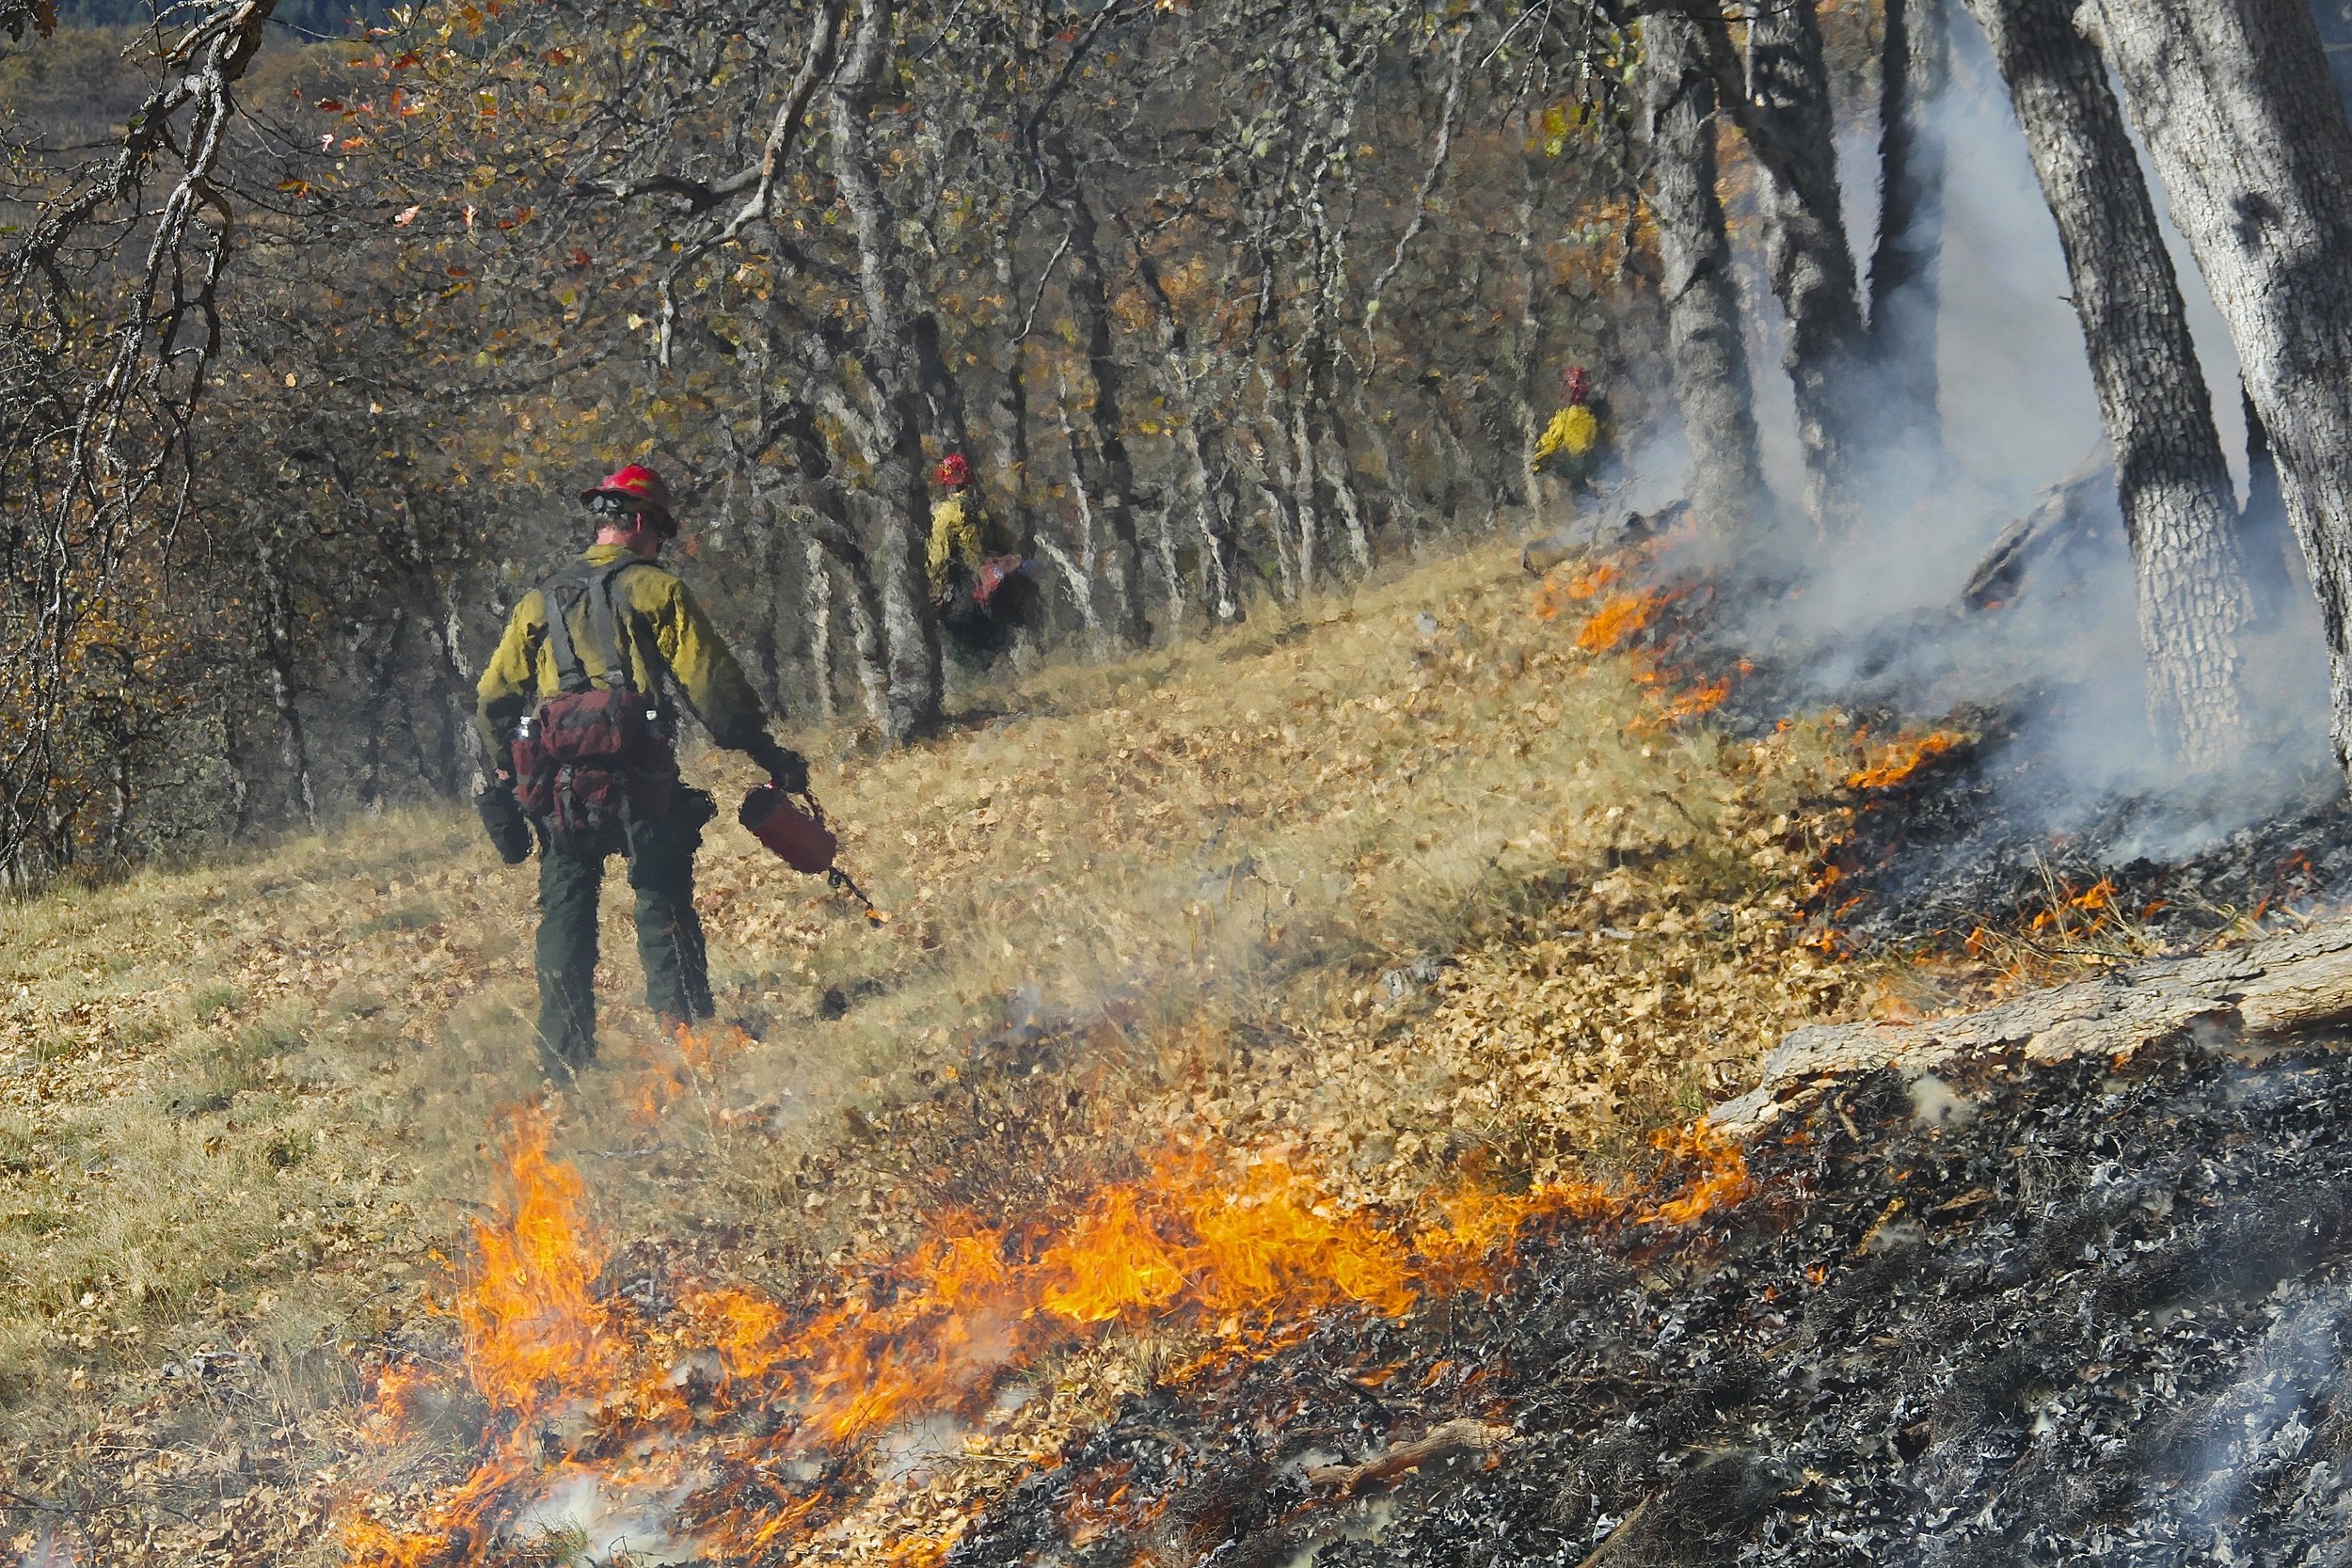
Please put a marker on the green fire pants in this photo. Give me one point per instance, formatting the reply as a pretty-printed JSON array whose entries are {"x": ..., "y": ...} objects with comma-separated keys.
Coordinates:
[{"x": 660, "y": 855}]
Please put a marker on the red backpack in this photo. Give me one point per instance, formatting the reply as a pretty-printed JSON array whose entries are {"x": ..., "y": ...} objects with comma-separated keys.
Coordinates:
[{"x": 592, "y": 751}]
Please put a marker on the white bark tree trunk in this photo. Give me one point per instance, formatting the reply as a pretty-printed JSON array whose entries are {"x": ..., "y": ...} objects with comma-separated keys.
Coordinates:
[
  {"x": 2179, "y": 507},
  {"x": 1706, "y": 355},
  {"x": 1805, "y": 248},
  {"x": 2234, "y": 101},
  {"x": 1914, "y": 71},
  {"x": 901, "y": 513}
]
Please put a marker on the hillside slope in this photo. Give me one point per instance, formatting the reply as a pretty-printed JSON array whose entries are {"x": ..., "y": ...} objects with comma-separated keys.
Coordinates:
[{"x": 1410, "y": 887}]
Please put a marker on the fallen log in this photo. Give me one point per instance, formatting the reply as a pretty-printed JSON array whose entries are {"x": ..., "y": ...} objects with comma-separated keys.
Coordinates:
[
  {"x": 1463, "y": 1436},
  {"x": 2072, "y": 508},
  {"x": 2277, "y": 986}
]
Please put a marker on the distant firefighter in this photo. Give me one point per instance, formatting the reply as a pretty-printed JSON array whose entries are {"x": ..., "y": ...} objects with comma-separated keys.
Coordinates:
[
  {"x": 574, "y": 708},
  {"x": 982, "y": 596},
  {"x": 1578, "y": 442},
  {"x": 956, "y": 521}
]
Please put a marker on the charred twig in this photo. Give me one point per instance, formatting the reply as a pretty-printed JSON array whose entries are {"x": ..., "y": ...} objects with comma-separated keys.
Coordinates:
[
  {"x": 1609, "y": 1542},
  {"x": 1463, "y": 1436},
  {"x": 1669, "y": 800}
]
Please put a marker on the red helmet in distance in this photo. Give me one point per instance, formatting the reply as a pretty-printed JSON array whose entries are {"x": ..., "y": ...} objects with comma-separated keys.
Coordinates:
[
  {"x": 1580, "y": 384},
  {"x": 640, "y": 489},
  {"x": 952, "y": 471}
]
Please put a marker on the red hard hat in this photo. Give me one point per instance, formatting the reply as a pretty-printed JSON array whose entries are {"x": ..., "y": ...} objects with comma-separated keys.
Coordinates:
[
  {"x": 1580, "y": 384},
  {"x": 952, "y": 470},
  {"x": 635, "y": 482}
]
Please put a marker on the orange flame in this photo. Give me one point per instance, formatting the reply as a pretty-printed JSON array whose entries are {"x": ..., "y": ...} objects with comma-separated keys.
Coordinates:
[
  {"x": 2096, "y": 901},
  {"x": 1723, "y": 1180},
  {"x": 1555, "y": 597},
  {"x": 685, "y": 1056},
  {"x": 1620, "y": 619},
  {"x": 531, "y": 1318},
  {"x": 1254, "y": 1252},
  {"x": 1901, "y": 758}
]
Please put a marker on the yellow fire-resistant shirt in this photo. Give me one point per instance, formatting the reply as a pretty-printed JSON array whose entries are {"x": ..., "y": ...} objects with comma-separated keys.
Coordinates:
[
  {"x": 1573, "y": 433},
  {"x": 662, "y": 630},
  {"x": 955, "y": 537}
]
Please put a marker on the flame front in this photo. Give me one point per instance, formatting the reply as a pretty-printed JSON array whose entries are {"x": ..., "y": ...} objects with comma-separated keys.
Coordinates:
[
  {"x": 1901, "y": 759},
  {"x": 1620, "y": 617},
  {"x": 530, "y": 1320},
  {"x": 708, "y": 1413}
]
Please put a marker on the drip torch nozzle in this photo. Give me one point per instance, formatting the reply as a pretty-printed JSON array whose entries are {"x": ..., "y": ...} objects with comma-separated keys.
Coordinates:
[{"x": 835, "y": 877}]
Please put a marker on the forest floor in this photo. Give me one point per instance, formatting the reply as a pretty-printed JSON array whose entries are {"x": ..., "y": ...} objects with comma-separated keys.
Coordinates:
[{"x": 1437, "y": 886}]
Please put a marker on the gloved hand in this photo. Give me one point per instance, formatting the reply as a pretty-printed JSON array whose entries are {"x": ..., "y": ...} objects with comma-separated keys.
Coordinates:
[
  {"x": 502, "y": 819},
  {"x": 783, "y": 765}
]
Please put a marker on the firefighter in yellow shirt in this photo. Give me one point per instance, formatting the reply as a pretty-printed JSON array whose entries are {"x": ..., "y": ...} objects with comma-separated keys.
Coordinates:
[
  {"x": 982, "y": 595},
  {"x": 575, "y": 705},
  {"x": 1578, "y": 441},
  {"x": 956, "y": 553}
]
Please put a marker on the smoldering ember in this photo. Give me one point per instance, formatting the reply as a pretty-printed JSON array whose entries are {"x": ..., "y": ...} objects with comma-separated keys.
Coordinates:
[{"x": 1453, "y": 782}]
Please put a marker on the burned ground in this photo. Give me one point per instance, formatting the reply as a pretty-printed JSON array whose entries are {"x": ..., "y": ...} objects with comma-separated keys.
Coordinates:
[
  {"x": 2086, "y": 1313},
  {"x": 1953, "y": 851}
]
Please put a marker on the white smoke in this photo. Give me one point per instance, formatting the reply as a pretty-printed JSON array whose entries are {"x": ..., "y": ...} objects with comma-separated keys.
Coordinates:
[
  {"x": 1878, "y": 620},
  {"x": 585, "y": 1523}
]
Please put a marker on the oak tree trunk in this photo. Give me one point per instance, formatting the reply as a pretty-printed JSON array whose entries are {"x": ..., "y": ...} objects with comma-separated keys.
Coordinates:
[
  {"x": 2274, "y": 562},
  {"x": 2234, "y": 101},
  {"x": 817, "y": 583},
  {"x": 454, "y": 673},
  {"x": 1914, "y": 70},
  {"x": 825, "y": 515},
  {"x": 1008, "y": 419},
  {"x": 901, "y": 514},
  {"x": 1706, "y": 357},
  {"x": 278, "y": 653},
  {"x": 1805, "y": 250},
  {"x": 2173, "y": 482},
  {"x": 1113, "y": 479}
]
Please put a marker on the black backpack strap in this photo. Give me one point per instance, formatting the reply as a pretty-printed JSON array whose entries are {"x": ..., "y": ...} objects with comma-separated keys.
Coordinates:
[
  {"x": 608, "y": 621},
  {"x": 562, "y": 592}
]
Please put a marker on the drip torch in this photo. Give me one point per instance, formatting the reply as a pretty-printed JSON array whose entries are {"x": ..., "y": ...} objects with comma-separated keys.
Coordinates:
[{"x": 801, "y": 839}]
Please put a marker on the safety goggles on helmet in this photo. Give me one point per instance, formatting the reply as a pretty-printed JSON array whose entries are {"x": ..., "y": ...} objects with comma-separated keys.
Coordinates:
[{"x": 606, "y": 505}]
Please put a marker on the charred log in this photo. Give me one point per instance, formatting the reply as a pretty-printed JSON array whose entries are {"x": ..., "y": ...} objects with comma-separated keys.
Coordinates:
[
  {"x": 2065, "y": 515},
  {"x": 2281, "y": 986}
]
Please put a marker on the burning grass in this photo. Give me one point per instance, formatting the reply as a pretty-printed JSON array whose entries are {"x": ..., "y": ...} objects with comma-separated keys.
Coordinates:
[
  {"x": 1196, "y": 901},
  {"x": 2084, "y": 1314},
  {"x": 743, "y": 1423},
  {"x": 1901, "y": 760},
  {"x": 1949, "y": 849}
]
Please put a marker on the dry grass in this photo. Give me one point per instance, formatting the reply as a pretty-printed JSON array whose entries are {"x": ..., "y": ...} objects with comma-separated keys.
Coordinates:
[{"x": 241, "y": 1104}]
